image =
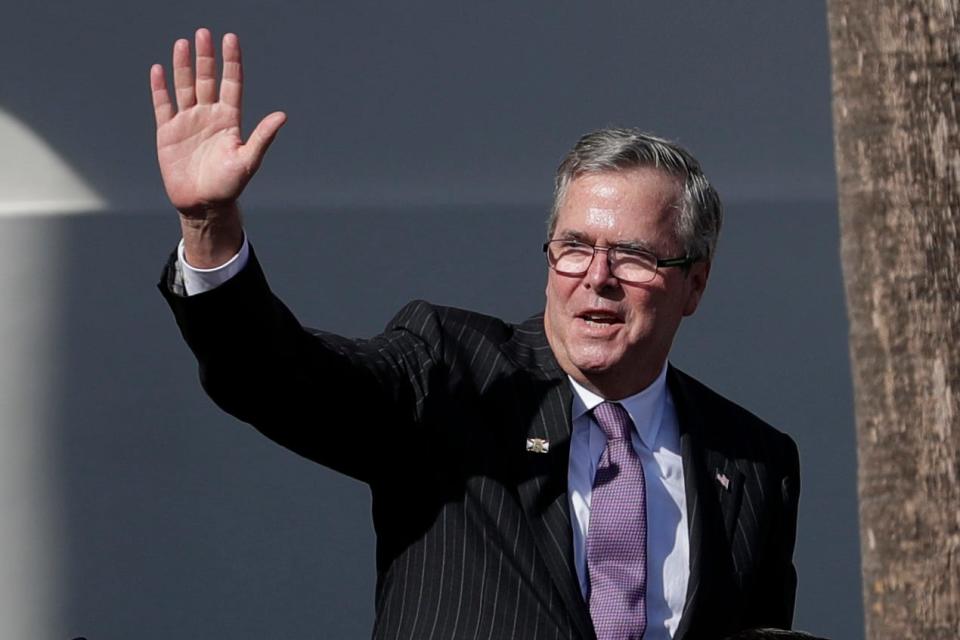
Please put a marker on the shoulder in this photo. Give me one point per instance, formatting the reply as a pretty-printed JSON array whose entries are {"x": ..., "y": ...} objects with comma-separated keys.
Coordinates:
[
  {"x": 450, "y": 329},
  {"x": 427, "y": 319},
  {"x": 481, "y": 344},
  {"x": 728, "y": 426}
]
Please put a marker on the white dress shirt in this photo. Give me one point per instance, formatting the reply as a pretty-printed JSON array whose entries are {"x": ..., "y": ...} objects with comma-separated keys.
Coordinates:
[
  {"x": 656, "y": 440},
  {"x": 199, "y": 280}
]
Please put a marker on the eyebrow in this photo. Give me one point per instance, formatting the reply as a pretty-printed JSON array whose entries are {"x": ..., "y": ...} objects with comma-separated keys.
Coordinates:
[
  {"x": 572, "y": 235},
  {"x": 636, "y": 245}
]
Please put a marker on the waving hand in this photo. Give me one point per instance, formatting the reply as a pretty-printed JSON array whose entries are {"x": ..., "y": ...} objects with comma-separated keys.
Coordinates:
[{"x": 204, "y": 161}]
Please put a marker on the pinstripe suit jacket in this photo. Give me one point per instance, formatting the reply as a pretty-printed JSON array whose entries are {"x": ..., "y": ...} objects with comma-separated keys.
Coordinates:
[{"x": 473, "y": 531}]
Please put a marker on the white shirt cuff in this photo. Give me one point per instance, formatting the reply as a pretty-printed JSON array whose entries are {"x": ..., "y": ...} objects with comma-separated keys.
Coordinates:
[{"x": 199, "y": 280}]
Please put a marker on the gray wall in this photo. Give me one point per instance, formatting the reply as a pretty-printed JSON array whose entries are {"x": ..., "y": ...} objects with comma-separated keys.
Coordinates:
[
  {"x": 437, "y": 101},
  {"x": 417, "y": 136}
]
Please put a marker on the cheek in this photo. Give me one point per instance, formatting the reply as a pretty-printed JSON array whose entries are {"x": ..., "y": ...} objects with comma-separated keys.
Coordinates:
[
  {"x": 647, "y": 311},
  {"x": 558, "y": 291},
  {"x": 552, "y": 308}
]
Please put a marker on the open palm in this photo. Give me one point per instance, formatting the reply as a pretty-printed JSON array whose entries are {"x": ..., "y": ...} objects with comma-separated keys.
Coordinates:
[{"x": 203, "y": 160}]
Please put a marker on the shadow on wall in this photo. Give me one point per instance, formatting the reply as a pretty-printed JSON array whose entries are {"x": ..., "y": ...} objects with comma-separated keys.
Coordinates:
[{"x": 34, "y": 181}]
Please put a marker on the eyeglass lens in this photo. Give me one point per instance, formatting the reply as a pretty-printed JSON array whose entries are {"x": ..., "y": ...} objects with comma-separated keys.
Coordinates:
[{"x": 574, "y": 259}]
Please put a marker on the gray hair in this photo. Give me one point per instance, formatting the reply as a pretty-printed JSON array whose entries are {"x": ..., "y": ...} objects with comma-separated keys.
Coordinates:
[{"x": 701, "y": 213}]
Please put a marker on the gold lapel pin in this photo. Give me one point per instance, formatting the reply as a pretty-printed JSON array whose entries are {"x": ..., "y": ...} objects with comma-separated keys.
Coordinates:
[{"x": 538, "y": 445}]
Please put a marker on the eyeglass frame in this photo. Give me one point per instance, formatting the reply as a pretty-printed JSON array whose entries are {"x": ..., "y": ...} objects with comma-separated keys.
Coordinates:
[{"x": 683, "y": 261}]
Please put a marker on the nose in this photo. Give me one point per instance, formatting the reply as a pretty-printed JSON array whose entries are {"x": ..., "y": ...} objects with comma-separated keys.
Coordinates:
[{"x": 598, "y": 275}]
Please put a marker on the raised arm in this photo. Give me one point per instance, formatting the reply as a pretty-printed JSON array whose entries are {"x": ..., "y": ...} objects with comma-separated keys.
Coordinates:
[{"x": 204, "y": 161}]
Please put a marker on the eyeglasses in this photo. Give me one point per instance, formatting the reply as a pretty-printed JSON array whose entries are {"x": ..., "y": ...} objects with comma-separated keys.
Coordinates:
[{"x": 635, "y": 266}]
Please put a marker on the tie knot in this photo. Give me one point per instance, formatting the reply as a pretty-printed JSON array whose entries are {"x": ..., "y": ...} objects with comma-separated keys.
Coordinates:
[{"x": 614, "y": 420}]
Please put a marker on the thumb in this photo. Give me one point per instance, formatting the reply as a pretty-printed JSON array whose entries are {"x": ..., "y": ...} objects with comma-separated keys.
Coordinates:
[{"x": 259, "y": 141}]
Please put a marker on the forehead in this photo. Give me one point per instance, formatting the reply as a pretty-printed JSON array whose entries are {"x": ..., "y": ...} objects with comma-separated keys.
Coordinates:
[{"x": 643, "y": 201}]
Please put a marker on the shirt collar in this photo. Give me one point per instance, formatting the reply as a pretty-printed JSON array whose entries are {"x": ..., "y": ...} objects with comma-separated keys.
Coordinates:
[{"x": 645, "y": 408}]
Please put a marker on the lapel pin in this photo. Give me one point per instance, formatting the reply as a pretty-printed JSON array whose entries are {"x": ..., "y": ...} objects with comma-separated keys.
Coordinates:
[
  {"x": 723, "y": 480},
  {"x": 538, "y": 445}
]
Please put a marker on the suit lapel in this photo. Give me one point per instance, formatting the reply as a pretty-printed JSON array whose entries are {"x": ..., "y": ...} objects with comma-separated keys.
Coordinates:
[
  {"x": 542, "y": 476},
  {"x": 713, "y": 485},
  {"x": 729, "y": 483},
  {"x": 691, "y": 478}
]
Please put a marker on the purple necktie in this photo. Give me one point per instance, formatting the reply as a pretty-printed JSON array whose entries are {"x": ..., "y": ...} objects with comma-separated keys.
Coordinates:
[{"x": 617, "y": 534}]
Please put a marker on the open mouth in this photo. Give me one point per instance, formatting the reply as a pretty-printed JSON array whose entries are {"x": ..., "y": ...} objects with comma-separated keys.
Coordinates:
[{"x": 600, "y": 318}]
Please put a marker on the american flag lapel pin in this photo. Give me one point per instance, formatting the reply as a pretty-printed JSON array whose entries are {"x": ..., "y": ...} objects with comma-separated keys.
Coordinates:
[
  {"x": 723, "y": 480},
  {"x": 538, "y": 445}
]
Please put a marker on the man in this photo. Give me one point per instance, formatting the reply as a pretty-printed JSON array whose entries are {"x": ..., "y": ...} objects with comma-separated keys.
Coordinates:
[{"x": 553, "y": 479}]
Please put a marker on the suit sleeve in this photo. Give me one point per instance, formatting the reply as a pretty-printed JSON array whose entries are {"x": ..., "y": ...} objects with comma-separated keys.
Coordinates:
[
  {"x": 342, "y": 403},
  {"x": 790, "y": 494}
]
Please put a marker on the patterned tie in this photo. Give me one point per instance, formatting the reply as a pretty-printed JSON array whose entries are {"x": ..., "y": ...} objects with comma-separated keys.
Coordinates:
[{"x": 617, "y": 534}]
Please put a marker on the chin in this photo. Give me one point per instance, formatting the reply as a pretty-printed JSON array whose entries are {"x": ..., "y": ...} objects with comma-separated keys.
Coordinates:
[{"x": 594, "y": 364}]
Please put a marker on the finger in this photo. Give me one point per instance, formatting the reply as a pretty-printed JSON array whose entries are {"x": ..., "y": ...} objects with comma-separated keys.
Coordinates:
[
  {"x": 183, "y": 75},
  {"x": 256, "y": 147},
  {"x": 206, "y": 67},
  {"x": 162, "y": 108},
  {"x": 231, "y": 86}
]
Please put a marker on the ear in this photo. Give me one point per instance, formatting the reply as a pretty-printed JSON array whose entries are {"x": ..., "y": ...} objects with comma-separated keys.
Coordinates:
[{"x": 696, "y": 284}]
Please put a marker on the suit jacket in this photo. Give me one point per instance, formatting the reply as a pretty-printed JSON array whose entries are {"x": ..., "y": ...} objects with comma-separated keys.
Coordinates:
[{"x": 473, "y": 531}]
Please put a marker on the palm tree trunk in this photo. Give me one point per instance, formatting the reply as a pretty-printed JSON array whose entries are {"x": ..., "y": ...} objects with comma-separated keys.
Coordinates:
[{"x": 897, "y": 140}]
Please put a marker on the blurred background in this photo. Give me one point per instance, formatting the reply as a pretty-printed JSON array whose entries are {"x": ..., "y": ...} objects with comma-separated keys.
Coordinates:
[{"x": 417, "y": 162}]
